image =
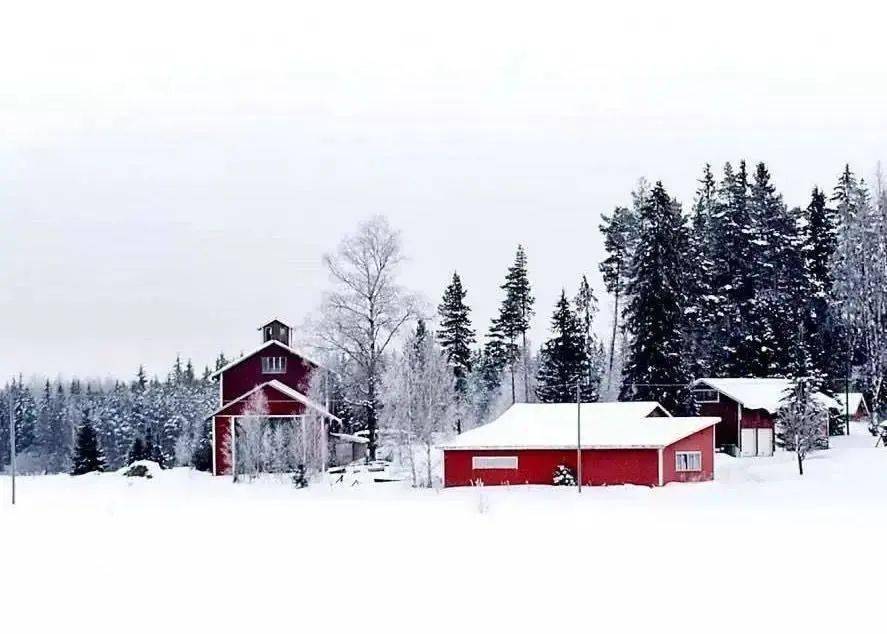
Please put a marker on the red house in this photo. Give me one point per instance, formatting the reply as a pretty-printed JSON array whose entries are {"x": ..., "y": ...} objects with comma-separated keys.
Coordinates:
[
  {"x": 280, "y": 371},
  {"x": 747, "y": 408},
  {"x": 620, "y": 443}
]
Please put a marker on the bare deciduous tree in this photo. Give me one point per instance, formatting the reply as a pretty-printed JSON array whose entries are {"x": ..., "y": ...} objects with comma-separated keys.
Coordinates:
[
  {"x": 365, "y": 310},
  {"x": 803, "y": 421}
]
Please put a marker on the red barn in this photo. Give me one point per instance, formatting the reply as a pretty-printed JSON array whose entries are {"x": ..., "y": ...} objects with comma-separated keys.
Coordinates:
[
  {"x": 621, "y": 443},
  {"x": 280, "y": 371},
  {"x": 747, "y": 408}
]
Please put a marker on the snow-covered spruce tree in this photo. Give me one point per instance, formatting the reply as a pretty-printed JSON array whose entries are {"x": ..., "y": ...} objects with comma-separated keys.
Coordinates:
[
  {"x": 564, "y": 359},
  {"x": 781, "y": 286},
  {"x": 656, "y": 368},
  {"x": 586, "y": 310},
  {"x": 734, "y": 273},
  {"x": 859, "y": 273},
  {"x": 620, "y": 231},
  {"x": 419, "y": 401},
  {"x": 456, "y": 337},
  {"x": 800, "y": 420},
  {"x": 704, "y": 306},
  {"x": 820, "y": 323},
  {"x": 364, "y": 311},
  {"x": 87, "y": 455},
  {"x": 25, "y": 416}
]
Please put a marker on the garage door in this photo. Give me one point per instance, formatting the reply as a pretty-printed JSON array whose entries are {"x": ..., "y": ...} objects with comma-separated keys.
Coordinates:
[
  {"x": 749, "y": 442},
  {"x": 765, "y": 442}
]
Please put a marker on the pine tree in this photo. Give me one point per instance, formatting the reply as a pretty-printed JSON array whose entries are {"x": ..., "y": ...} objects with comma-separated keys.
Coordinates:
[
  {"x": 656, "y": 368},
  {"x": 87, "y": 451},
  {"x": 620, "y": 231},
  {"x": 514, "y": 320},
  {"x": 564, "y": 362}
]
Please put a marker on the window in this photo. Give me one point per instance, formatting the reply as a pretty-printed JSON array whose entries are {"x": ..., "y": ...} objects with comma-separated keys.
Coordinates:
[
  {"x": 688, "y": 461},
  {"x": 273, "y": 365},
  {"x": 494, "y": 462},
  {"x": 706, "y": 396}
]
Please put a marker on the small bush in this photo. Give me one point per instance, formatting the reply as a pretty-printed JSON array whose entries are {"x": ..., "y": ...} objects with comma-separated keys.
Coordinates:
[
  {"x": 300, "y": 480},
  {"x": 563, "y": 477},
  {"x": 138, "y": 471}
]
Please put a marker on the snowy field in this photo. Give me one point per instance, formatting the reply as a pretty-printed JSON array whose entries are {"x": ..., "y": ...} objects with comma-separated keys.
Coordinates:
[{"x": 759, "y": 549}]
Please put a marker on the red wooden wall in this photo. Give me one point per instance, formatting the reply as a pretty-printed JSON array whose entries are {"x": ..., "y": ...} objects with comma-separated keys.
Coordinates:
[
  {"x": 700, "y": 441},
  {"x": 536, "y": 466}
]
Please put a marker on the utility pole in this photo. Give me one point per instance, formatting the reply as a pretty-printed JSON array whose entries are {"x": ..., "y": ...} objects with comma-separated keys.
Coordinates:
[
  {"x": 12, "y": 441},
  {"x": 578, "y": 437}
]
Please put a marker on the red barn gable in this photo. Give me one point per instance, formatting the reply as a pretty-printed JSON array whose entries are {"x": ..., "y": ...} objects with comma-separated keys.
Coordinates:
[{"x": 280, "y": 371}]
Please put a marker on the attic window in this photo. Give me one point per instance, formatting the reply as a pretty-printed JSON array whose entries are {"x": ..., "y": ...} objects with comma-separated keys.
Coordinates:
[
  {"x": 273, "y": 365},
  {"x": 706, "y": 396}
]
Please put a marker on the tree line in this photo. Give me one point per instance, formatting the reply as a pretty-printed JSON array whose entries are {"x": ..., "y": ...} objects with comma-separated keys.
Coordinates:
[{"x": 60, "y": 427}]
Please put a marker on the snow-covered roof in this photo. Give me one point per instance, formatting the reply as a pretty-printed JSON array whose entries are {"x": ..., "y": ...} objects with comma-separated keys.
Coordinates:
[
  {"x": 855, "y": 399},
  {"x": 604, "y": 426},
  {"x": 270, "y": 342},
  {"x": 360, "y": 440},
  {"x": 766, "y": 394},
  {"x": 284, "y": 389}
]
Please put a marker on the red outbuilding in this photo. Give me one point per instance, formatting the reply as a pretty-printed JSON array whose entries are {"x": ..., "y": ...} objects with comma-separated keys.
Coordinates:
[
  {"x": 277, "y": 369},
  {"x": 619, "y": 443},
  {"x": 747, "y": 408}
]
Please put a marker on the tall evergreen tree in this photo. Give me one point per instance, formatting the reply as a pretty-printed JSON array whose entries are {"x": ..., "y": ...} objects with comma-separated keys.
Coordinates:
[
  {"x": 656, "y": 368},
  {"x": 513, "y": 321},
  {"x": 456, "y": 337},
  {"x": 564, "y": 362},
  {"x": 704, "y": 307},
  {"x": 620, "y": 231},
  {"x": 586, "y": 310},
  {"x": 88, "y": 455},
  {"x": 821, "y": 325}
]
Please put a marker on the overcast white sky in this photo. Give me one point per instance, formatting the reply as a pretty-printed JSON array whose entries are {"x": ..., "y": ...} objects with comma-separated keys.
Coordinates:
[{"x": 171, "y": 174}]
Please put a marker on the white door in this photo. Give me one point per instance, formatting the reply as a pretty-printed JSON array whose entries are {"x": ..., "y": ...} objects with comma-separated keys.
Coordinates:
[
  {"x": 765, "y": 442},
  {"x": 749, "y": 442}
]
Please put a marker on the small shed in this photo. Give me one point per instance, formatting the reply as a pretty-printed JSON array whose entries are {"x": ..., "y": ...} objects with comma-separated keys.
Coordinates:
[
  {"x": 619, "y": 443},
  {"x": 859, "y": 409}
]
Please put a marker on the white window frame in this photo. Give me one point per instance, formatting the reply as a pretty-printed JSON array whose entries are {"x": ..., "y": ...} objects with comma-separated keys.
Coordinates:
[
  {"x": 690, "y": 457},
  {"x": 697, "y": 390},
  {"x": 493, "y": 462},
  {"x": 274, "y": 365}
]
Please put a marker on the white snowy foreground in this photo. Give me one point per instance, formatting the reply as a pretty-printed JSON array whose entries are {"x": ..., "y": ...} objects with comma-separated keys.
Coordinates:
[{"x": 758, "y": 550}]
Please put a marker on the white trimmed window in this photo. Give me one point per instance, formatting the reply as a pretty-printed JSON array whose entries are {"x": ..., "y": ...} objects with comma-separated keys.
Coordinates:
[
  {"x": 688, "y": 461},
  {"x": 494, "y": 462},
  {"x": 702, "y": 395},
  {"x": 273, "y": 365}
]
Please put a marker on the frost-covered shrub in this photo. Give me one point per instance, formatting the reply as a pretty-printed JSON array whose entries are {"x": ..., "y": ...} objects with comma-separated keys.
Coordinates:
[{"x": 563, "y": 476}]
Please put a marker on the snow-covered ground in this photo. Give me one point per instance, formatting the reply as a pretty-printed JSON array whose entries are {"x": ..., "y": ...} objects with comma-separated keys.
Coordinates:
[{"x": 760, "y": 549}]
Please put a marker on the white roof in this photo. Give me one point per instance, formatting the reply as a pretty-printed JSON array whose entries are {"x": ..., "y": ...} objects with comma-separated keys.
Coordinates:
[
  {"x": 856, "y": 399},
  {"x": 270, "y": 342},
  {"x": 604, "y": 426},
  {"x": 766, "y": 394},
  {"x": 283, "y": 389}
]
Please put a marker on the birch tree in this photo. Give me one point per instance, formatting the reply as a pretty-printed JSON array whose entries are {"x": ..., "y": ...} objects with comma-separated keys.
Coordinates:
[
  {"x": 250, "y": 429},
  {"x": 419, "y": 401},
  {"x": 365, "y": 310}
]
